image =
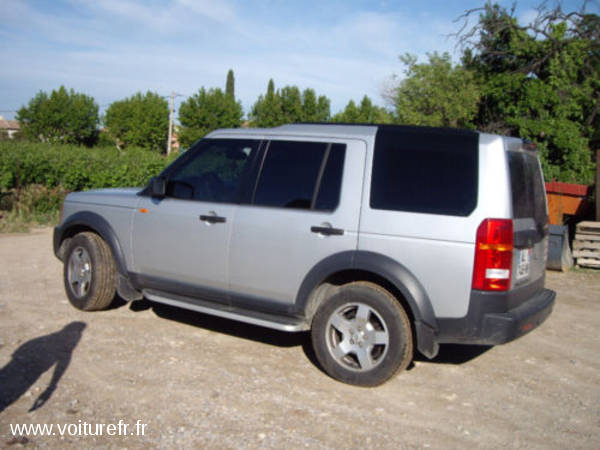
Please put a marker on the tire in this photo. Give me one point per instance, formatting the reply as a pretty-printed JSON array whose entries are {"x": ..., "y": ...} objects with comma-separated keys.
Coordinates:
[
  {"x": 89, "y": 272},
  {"x": 361, "y": 335}
]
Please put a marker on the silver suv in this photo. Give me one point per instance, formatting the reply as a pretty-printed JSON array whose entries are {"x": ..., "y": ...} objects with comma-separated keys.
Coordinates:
[{"x": 378, "y": 239}]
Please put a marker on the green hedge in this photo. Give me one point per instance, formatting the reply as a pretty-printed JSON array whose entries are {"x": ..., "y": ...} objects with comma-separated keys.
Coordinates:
[{"x": 75, "y": 168}]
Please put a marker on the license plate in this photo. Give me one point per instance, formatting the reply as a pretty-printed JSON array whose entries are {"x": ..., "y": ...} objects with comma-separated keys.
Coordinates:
[{"x": 523, "y": 264}]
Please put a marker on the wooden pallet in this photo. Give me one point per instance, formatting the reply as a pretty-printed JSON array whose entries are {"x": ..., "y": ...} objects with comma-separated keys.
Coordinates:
[{"x": 586, "y": 246}]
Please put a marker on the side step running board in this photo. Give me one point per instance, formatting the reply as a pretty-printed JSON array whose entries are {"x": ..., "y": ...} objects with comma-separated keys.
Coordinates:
[{"x": 253, "y": 318}]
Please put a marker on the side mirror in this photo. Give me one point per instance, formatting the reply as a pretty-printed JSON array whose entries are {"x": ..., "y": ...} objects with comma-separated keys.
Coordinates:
[{"x": 158, "y": 187}]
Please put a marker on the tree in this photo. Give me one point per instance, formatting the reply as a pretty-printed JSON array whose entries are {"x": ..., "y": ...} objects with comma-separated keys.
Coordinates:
[
  {"x": 288, "y": 105},
  {"x": 540, "y": 81},
  {"x": 140, "y": 120},
  {"x": 370, "y": 113},
  {"x": 313, "y": 109},
  {"x": 367, "y": 112},
  {"x": 290, "y": 100},
  {"x": 350, "y": 114},
  {"x": 63, "y": 117},
  {"x": 436, "y": 93},
  {"x": 323, "y": 109},
  {"x": 230, "y": 84},
  {"x": 206, "y": 111},
  {"x": 309, "y": 106},
  {"x": 266, "y": 112}
]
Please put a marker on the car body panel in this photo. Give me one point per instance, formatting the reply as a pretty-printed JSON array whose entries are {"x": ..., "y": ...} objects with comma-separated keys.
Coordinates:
[{"x": 170, "y": 241}]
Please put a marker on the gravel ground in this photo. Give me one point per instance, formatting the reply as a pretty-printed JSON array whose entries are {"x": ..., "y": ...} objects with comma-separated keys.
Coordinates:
[{"x": 198, "y": 381}]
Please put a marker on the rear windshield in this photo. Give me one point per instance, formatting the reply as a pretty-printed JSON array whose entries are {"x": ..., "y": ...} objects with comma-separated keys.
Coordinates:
[
  {"x": 425, "y": 170},
  {"x": 528, "y": 195}
]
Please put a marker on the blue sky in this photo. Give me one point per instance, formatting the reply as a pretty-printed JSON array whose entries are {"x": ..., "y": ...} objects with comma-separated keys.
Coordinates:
[{"x": 110, "y": 49}]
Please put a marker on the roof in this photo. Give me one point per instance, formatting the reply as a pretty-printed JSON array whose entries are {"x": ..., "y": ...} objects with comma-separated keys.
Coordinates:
[
  {"x": 338, "y": 130},
  {"x": 314, "y": 130},
  {"x": 9, "y": 125}
]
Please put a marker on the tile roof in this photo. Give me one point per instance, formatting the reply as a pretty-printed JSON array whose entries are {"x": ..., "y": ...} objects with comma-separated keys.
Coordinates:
[{"x": 9, "y": 125}]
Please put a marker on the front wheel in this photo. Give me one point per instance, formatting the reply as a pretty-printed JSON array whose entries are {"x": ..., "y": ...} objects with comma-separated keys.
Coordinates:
[
  {"x": 89, "y": 272},
  {"x": 362, "y": 335}
]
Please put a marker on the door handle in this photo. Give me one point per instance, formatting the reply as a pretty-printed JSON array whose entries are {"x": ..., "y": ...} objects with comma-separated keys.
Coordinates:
[
  {"x": 212, "y": 218},
  {"x": 327, "y": 231}
]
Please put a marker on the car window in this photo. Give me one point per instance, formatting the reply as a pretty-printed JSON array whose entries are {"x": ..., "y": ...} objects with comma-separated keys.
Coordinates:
[
  {"x": 300, "y": 175},
  {"x": 528, "y": 194},
  {"x": 213, "y": 171},
  {"x": 425, "y": 171},
  {"x": 329, "y": 189}
]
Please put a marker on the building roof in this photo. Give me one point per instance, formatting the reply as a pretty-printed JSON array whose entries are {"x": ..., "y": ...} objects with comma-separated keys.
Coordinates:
[{"x": 9, "y": 124}]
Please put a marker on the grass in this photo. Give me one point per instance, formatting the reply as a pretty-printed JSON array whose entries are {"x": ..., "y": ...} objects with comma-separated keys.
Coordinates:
[
  {"x": 579, "y": 269},
  {"x": 32, "y": 206}
]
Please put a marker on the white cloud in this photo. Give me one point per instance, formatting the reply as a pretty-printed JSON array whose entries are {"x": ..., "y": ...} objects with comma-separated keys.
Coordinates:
[{"x": 112, "y": 48}]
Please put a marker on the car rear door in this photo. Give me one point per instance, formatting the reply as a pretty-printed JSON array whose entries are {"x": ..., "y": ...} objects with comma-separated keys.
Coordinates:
[{"x": 300, "y": 212}]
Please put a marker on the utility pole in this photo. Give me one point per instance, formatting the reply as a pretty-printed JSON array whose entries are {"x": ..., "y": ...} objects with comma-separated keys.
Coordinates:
[
  {"x": 598, "y": 185},
  {"x": 171, "y": 112}
]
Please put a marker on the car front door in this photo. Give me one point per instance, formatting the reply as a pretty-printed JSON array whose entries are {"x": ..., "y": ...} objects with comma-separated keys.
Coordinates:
[{"x": 181, "y": 242}]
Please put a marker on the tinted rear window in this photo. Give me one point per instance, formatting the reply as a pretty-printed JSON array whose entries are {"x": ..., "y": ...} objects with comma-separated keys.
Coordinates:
[
  {"x": 425, "y": 171},
  {"x": 528, "y": 195}
]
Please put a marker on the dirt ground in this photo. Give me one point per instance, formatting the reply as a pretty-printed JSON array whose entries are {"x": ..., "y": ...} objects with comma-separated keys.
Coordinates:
[{"x": 198, "y": 381}]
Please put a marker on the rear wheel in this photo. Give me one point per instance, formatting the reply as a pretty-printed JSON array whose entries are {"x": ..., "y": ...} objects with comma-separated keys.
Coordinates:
[
  {"x": 89, "y": 272},
  {"x": 362, "y": 335}
]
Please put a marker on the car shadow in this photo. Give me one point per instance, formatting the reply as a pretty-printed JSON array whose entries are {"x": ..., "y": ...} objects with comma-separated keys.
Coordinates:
[
  {"x": 220, "y": 325},
  {"x": 455, "y": 354},
  {"x": 231, "y": 327},
  {"x": 35, "y": 357},
  {"x": 117, "y": 303},
  {"x": 448, "y": 354}
]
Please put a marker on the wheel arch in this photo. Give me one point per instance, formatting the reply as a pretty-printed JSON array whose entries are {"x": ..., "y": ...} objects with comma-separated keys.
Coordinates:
[
  {"x": 89, "y": 221},
  {"x": 391, "y": 275}
]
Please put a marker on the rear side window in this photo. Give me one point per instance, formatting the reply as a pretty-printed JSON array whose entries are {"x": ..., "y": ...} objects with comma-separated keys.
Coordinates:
[
  {"x": 528, "y": 195},
  {"x": 425, "y": 171},
  {"x": 304, "y": 175}
]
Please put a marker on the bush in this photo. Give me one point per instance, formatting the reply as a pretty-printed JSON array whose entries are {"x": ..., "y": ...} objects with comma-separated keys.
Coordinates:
[
  {"x": 75, "y": 168},
  {"x": 34, "y": 204},
  {"x": 36, "y": 177}
]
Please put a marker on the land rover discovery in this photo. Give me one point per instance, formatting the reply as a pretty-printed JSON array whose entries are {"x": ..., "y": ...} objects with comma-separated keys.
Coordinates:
[{"x": 380, "y": 240}]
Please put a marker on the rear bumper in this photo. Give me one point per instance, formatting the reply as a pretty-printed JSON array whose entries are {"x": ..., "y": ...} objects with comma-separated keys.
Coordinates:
[
  {"x": 501, "y": 328},
  {"x": 498, "y": 318}
]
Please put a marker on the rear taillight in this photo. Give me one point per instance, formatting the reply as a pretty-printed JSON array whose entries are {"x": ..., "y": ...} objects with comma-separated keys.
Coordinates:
[{"x": 493, "y": 255}]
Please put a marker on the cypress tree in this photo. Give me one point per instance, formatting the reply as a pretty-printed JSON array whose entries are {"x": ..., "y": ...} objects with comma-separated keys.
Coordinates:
[{"x": 230, "y": 85}]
